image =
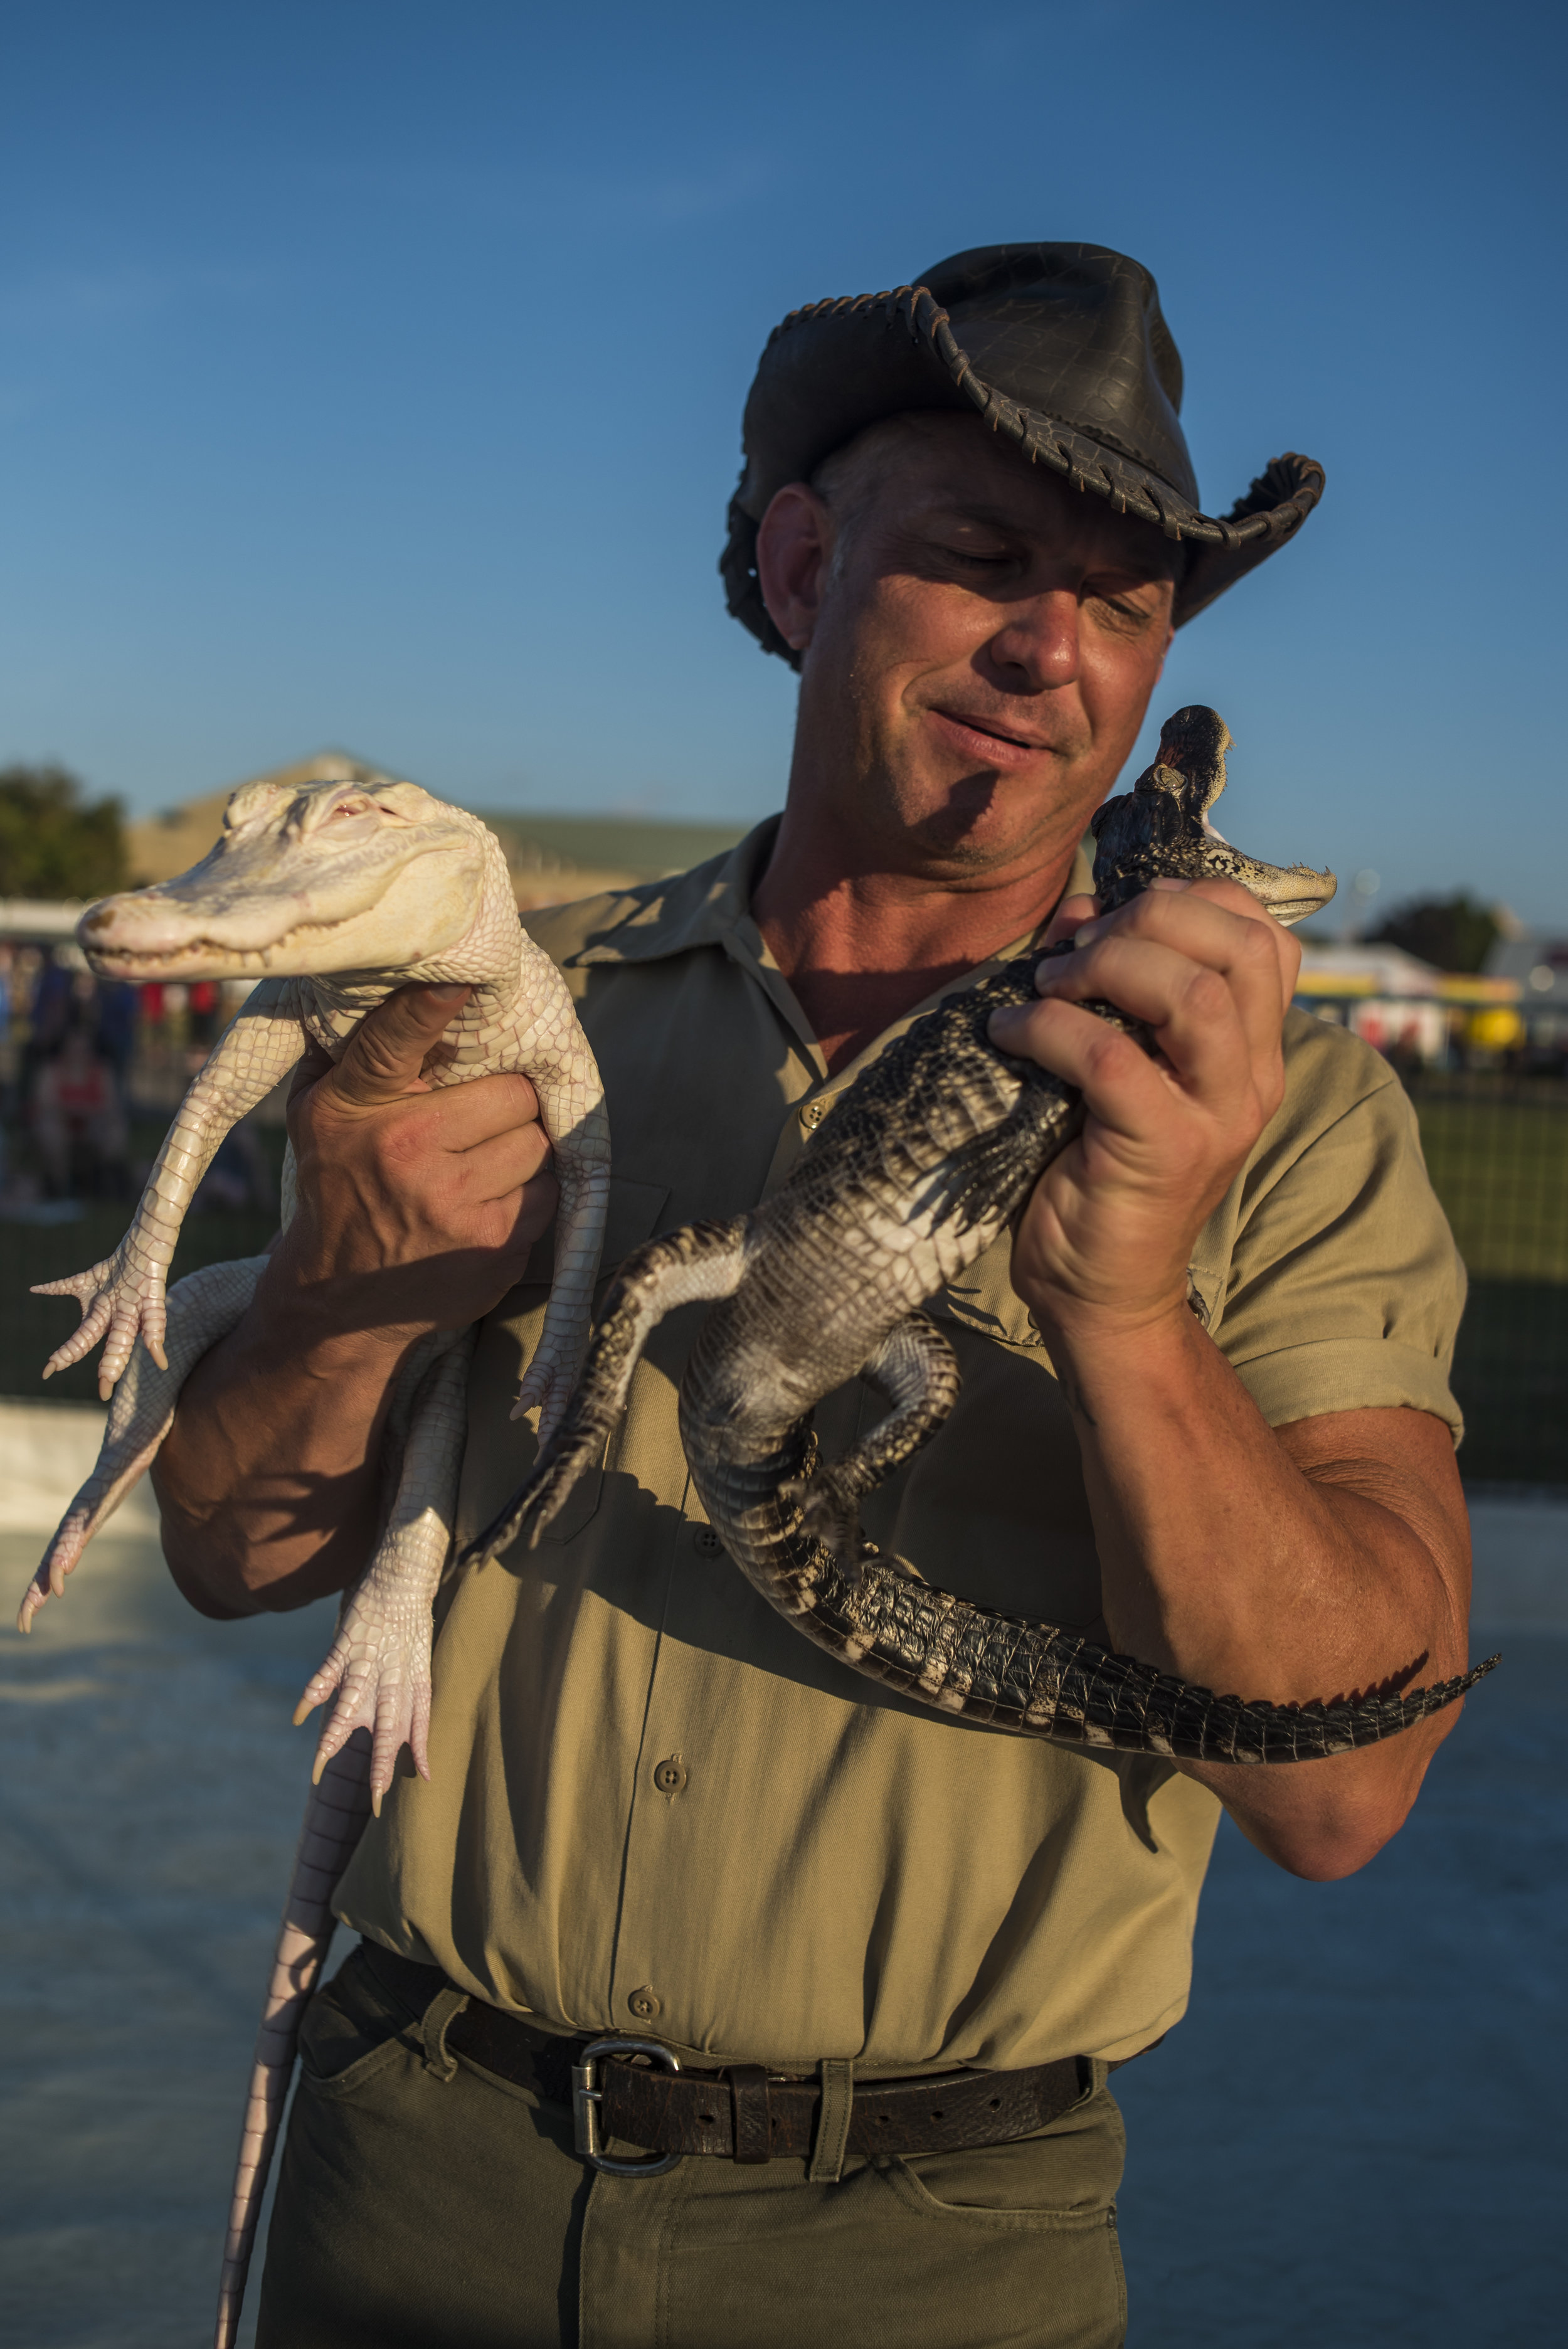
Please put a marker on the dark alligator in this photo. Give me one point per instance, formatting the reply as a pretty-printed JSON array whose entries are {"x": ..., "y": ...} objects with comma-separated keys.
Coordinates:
[{"x": 916, "y": 1170}]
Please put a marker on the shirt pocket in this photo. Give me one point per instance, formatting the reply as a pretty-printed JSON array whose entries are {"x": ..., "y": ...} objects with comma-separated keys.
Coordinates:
[{"x": 634, "y": 1209}]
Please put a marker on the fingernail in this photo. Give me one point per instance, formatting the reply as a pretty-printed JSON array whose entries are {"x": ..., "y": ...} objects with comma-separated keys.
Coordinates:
[
  {"x": 1167, "y": 883},
  {"x": 1087, "y": 932}
]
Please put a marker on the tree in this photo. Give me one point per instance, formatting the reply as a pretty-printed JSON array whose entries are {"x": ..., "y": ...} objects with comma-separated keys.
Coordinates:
[
  {"x": 55, "y": 842},
  {"x": 1455, "y": 933}
]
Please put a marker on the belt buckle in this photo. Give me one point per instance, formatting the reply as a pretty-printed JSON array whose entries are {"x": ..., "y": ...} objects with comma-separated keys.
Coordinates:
[{"x": 585, "y": 2099}]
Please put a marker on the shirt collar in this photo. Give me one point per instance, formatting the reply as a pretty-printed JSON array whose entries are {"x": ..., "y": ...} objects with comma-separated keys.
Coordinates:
[
  {"x": 711, "y": 906},
  {"x": 700, "y": 908}
]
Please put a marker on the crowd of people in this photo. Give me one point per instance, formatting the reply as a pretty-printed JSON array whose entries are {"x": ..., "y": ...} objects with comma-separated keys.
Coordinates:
[{"x": 76, "y": 1053}]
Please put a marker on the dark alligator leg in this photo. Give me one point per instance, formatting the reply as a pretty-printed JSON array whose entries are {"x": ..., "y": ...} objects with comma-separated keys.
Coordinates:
[
  {"x": 915, "y": 1367},
  {"x": 705, "y": 1260}
]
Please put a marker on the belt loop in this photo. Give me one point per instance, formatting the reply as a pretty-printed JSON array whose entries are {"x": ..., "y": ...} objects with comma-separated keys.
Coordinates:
[
  {"x": 838, "y": 2075},
  {"x": 433, "y": 2026}
]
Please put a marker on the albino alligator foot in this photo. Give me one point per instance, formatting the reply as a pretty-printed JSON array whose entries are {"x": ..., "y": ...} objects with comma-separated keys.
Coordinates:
[
  {"x": 124, "y": 1299},
  {"x": 59, "y": 1560},
  {"x": 96, "y": 1502},
  {"x": 202, "y": 1307},
  {"x": 380, "y": 1663}
]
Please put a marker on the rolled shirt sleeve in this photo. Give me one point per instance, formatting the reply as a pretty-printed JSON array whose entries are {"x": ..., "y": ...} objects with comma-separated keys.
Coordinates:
[{"x": 1328, "y": 1276}]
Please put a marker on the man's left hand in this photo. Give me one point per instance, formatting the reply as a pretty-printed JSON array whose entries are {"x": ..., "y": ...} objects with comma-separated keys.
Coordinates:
[{"x": 1105, "y": 1241}]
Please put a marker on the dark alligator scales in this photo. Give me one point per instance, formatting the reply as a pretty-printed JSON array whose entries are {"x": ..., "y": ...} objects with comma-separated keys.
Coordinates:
[{"x": 912, "y": 1175}]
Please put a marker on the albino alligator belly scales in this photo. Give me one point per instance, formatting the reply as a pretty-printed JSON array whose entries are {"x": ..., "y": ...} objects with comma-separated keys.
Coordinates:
[{"x": 916, "y": 1171}]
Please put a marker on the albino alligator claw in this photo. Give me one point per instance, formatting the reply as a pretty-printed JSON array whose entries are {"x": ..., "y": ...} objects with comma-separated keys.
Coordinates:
[
  {"x": 111, "y": 1303},
  {"x": 379, "y": 1661},
  {"x": 383, "y": 1686},
  {"x": 202, "y": 1307}
]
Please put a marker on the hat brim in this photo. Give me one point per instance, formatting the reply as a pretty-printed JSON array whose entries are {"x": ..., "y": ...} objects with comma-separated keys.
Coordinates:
[{"x": 833, "y": 368}]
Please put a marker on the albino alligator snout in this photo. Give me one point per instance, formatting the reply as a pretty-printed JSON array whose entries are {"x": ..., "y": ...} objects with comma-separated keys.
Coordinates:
[
  {"x": 325, "y": 879},
  {"x": 157, "y": 934}
]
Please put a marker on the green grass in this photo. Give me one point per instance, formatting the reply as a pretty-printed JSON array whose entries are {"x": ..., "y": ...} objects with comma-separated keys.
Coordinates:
[
  {"x": 1499, "y": 1162},
  {"x": 1510, "y": 1381},
  {"x": 1497, "y": 1149},
  {"x": 32, "y": 1326}
]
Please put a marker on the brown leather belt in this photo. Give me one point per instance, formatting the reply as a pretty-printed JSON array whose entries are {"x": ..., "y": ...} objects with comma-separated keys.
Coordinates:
[{"x": 741, "y": 2111}]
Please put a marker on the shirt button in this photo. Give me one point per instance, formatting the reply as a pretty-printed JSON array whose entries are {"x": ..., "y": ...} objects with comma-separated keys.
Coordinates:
[
  {"x": 643, "y": 2003},
  {"x": 813, "y": 1113},
  {"x": 670, "y": 1776},
  {"x": 706, "y": 1542}
]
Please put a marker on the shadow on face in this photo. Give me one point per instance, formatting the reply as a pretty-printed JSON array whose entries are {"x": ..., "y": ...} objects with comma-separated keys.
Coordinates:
[{"x": 979, "y": 639}]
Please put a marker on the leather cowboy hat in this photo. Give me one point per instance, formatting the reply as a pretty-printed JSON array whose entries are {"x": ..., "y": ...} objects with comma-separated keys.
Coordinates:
[{"x": 1062, "y": 349}]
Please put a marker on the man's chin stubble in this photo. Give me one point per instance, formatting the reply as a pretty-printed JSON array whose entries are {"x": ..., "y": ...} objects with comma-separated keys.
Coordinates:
[{"x": 957, "y": 840}]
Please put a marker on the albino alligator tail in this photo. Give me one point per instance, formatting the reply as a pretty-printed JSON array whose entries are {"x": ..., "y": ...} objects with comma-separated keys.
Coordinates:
[
  {"x": 917, "y": 1170},
  {"x": 334, "y": 1822}
]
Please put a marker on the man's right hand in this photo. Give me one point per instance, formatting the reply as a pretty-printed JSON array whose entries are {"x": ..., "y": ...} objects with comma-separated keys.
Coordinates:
[{"x": 417, "y": 1205}]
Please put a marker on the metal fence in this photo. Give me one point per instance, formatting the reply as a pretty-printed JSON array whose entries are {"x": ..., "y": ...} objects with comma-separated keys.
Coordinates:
[
  {"x": 1497, "y": 1148},
  {"x": 1496, "y": 1143}
]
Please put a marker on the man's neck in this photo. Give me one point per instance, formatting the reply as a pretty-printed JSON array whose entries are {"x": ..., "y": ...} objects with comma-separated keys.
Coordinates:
[{"x": 862, "y": 946}]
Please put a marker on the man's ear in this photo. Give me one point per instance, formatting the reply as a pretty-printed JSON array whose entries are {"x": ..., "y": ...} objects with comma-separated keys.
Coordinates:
[{"x": 794, "y": 541}]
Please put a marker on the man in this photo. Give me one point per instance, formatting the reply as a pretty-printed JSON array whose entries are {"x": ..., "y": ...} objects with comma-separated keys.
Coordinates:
[{"x": 1205, "y": 1417}]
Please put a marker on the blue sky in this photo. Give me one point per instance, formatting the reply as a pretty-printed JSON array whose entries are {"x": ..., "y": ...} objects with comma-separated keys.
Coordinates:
[{"x": 373, "y": 374}]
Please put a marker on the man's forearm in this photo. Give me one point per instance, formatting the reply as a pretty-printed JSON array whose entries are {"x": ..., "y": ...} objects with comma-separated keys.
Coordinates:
[
  {"x": 1319, "y": 1560},
  {"x": 267, "y": 1481}
]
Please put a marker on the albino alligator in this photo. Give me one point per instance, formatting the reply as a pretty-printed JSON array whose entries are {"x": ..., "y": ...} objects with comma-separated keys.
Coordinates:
[
  {"x": 914, "y": 1171},
  {"x": 332, "y": 895}
]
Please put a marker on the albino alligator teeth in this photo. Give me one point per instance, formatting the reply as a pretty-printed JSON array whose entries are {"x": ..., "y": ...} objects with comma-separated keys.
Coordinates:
[
  {"x": 344, "y": 890},
  {"x": 914, "y": 1173}
]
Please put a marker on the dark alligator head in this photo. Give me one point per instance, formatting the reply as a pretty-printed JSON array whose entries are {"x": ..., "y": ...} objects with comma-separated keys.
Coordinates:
[{"x": 1161, "y": 829}]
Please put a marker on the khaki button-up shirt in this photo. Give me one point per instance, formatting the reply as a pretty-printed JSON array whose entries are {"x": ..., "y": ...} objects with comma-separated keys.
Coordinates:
[{"x": 654, "y": 1804}]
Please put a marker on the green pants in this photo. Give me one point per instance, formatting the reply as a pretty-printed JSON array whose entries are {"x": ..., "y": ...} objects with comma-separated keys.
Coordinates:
[{"x": 420, "y": 2213}]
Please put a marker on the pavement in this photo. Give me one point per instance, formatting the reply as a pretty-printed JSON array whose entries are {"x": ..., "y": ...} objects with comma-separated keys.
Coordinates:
[{"x": 1354, "y": 2136}]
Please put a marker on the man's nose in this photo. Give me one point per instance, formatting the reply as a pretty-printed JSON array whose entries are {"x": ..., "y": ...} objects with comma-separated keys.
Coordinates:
[{"x": 1038, "y": 646}]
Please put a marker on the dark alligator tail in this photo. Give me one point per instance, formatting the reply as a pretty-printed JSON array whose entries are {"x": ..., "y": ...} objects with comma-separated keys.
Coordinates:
[{"x": 1040, "y": 1682}]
